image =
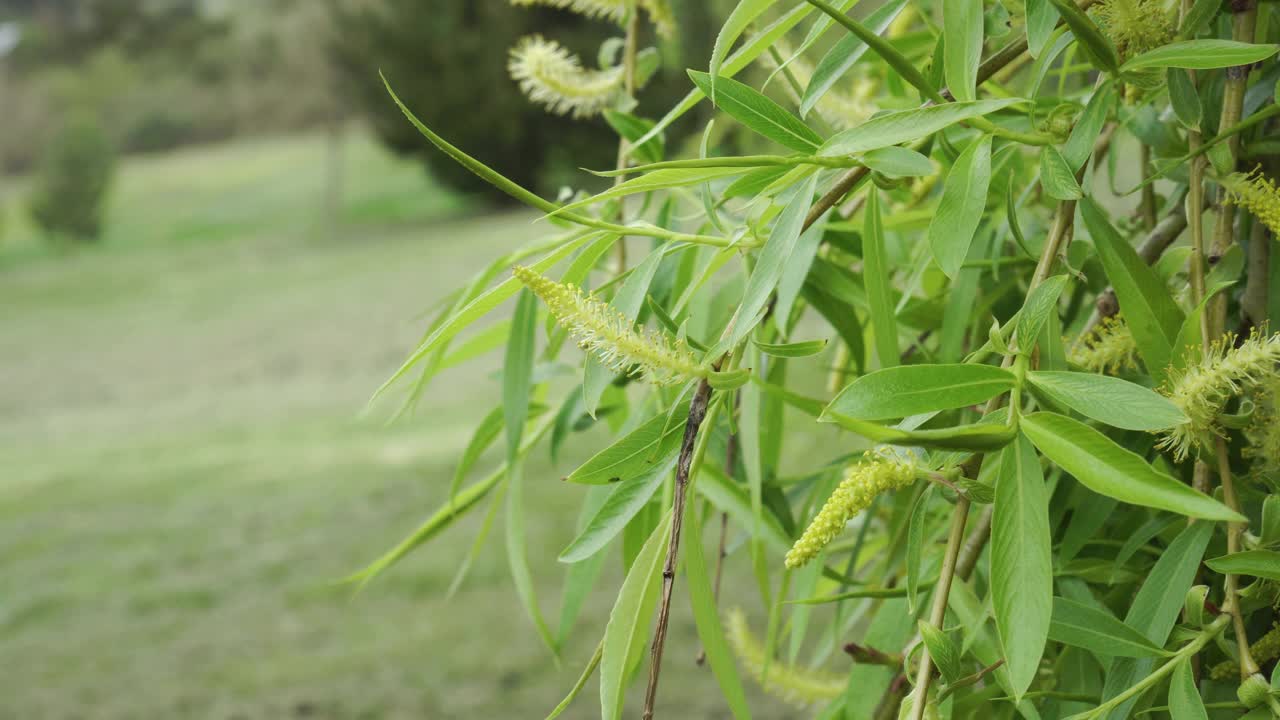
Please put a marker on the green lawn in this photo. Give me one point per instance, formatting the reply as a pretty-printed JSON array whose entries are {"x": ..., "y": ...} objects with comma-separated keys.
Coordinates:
[{"x": 184, "y": 469}]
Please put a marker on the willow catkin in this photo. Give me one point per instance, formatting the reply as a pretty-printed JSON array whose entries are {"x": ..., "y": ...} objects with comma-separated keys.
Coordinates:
[
  {"x": 610, "y": 337},
  {"x": 794, "y": 685},
  {"x": 1257, "y": 194},
  {"x": 862, "y": 482},
  {"x": 552, "y": 76},
  {"x": 1203, "y": 389},
  {"x": 1109, "y": 349}
]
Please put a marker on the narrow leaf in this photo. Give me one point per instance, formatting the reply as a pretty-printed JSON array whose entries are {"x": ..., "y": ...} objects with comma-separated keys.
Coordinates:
[
  {"x": 878, "y": 276},
  {"x": 906, "y": 125},
  {"x": 1111, "y": 400},
  {"x": 757, "y": 112},
  {"x": 637, "y": 452},
  {"x": 1056, "y": 176},
  {"x": 964, "y": 197},
  {"x": 1184, "y": 697},
  {"x": 844, "y": 54},
  {"x": 1255, "y": 563},
  {"x": 1021, "y": 562},
  {"x": 962, "y": 46},
  {"x": 1108, "y": 469},
  {"x": 1097, "y": 631},
  {"x": 914, "y": 389},
  {"x": 622, "y": 504},
  {"x": 1205, "y": 54}
]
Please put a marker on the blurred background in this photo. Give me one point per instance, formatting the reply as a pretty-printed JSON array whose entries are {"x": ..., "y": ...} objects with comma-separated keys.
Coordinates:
[{"x": 217, "y": 237}]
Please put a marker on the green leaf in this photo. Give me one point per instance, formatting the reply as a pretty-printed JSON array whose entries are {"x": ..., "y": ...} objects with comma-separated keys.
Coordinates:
[
  {"x": 1021, "y": 562},
  {"x": 481, "y": 439},
  {"x": 1204, "y": 54},
  {"x": 1079, "y": 145},
  {"x": 913, "y": 389},
  {"x": 792, "y": 350},
  {"x": 1155, "y": 608},
  {"x": 631, "y": 128},
  {"x": 1202, "y": 11},
  {"x": 628, "y": 628},
  {"x": 962, "y": 46},
  {"x": 743, "y": 14},
  {"x": 1041, "y": 19},
  {"x": 878, "y": 276},
  {"x": 887, "y": 52},
  {"x": 1184, "y": 697},
  {"x": 637, "y": 452},
  {"x": 906, "y": 125},
  {"x": 1154, "y": 318},
  {"x": 844, "y": 54},
  {"x": 623, "y": 503},
  {"x": 964, "y": 197},
  {"x": 581, "y": 577},
  {"x": 1184, "y": 98},
  {"x": 915, "y": 545},
  {"x": 897, "y": 162},
  {"x": 759, "y": 113},
  {"x": 732, "y": 499},
  {"x": 1097, "y": 631},
  {"x": 1255, "y": 563},
  {"x": 1111, "y": 400},
  {"x": 773, "y": 259},
  {"x": 977, "y": 437},
  {"x": 1056, "y": 176},
  {"x": 1108, "y": 469},
  {"x": 706, "y": 618},
  {"x": 517, "y": 371},
  {"x": 1091, "y": 40},
  {"x": 945, "y": 654},
  {"x": 793, "y": 276},
  {"x": 1041, "y": 303}
]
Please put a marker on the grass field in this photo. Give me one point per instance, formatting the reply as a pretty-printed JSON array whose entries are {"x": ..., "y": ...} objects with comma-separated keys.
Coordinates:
[{"x": 184, "y": 470}]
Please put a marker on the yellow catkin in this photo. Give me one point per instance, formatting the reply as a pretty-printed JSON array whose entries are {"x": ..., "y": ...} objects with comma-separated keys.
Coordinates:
[
  {"x": 1109, "y": 349},
  {"x": 1136, "y": 26},
  {"x": 797, "y": 686},
  {"x": 862, "y": 482},
  {"x": 552, "y": 76},
  {"x": 1203, "y": 389},
  {"x": 1257, "y": 194},
  {"x": 659, "y": 11},
  {"x": 610, "y": 337},
  {"x": 1263, "y": 649}
]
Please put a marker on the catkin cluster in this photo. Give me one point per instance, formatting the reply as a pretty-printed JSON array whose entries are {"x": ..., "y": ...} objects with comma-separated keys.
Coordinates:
[
  {"x": 1257, "y": 194},
  {"x": 608, "y": 335},
  {"x": 1203, "y": 389},
  {"x": 552, "y": 76},
  {"x": 794, "y": 685},
  {"x": 862, "y": 482},
  {"x": 1109, "y": 349},
  {"x": 1136, "y": 26},
  {"x": 1263, "y": 432}
]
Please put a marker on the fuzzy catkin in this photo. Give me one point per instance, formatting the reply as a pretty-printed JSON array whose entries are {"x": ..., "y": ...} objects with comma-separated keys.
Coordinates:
[
  {"x": 608, "y": 335},
  {"x": 1136, "y": 26},
  {"x": 552, "y": 76},
  {"x": 794, "y": 685},
  {"x": 1263, "y": 432},
  {"x": 1203, "y": 389},
  {"x": 1257, "y": 194},
  {"x": 862, "y": 482},
  {"x": 1109, "y": 349}
]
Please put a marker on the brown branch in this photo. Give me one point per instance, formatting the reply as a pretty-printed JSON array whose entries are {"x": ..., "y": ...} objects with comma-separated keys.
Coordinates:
[{"x": 697, "y": 413}]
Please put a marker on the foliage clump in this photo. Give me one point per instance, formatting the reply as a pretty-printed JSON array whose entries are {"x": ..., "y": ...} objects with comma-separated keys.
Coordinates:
[{"x": 69, "y": 199}]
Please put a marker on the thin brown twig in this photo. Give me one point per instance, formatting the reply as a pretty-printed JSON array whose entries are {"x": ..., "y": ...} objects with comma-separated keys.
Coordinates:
[{"x": 697, "y": 413}]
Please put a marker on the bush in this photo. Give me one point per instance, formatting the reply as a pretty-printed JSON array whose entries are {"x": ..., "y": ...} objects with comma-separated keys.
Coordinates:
[
  {"x": 70, "y": 194},
  {"x": 1046, "y": 482}
]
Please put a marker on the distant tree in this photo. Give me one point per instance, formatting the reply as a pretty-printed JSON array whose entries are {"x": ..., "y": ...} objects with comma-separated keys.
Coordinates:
[
  {"x": 69, "y": 198},
  {"x": 444, "y": 60}
]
